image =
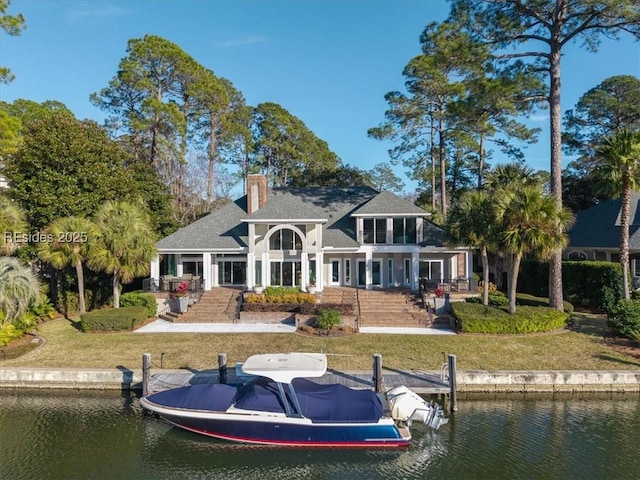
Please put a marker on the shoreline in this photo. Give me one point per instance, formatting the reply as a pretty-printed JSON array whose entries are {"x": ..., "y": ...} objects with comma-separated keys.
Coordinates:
[{"x": 471, "y": 381}]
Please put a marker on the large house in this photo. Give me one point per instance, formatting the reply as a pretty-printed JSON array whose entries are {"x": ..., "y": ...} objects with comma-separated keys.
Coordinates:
[
  {"x": 327, "y": 236},
  {"x": 596, "y": 234}
]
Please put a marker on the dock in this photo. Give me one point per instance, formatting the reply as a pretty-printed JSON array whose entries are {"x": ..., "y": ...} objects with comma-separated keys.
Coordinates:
[{"x": 422, "y": 382}]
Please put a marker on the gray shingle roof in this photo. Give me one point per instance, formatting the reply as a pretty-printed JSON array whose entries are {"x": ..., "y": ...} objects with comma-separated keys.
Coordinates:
[
  {"x": 223, "y": 228},
  {"x": 386, "y": 203},
  {"x": 220, "y": 229},
  {"x": 599, "y": 226}
]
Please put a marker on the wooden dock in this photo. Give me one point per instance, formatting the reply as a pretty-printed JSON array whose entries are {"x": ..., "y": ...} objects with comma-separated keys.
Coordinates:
[{"x": 426, "y": 383}]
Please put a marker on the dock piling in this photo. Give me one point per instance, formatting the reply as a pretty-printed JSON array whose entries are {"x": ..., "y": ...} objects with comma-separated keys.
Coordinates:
[
  {"x": 146, "y": 372},
  {"x": 222, "y": 367},
  {"x": 377, "y": 372},
  {"x": 452, "y": 383}
]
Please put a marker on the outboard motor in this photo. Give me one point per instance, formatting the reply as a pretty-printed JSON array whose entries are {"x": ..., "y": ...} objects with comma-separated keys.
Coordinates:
[{"x": 407, "y": 406}]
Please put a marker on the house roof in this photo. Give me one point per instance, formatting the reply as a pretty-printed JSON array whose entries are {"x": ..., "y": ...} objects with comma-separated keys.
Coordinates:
[
  {"x": 221, "y": 229},
  {"x": 226, "y": 227},
  {"x": 599, "y": 226},
  {"x": 386, "y": 203}
]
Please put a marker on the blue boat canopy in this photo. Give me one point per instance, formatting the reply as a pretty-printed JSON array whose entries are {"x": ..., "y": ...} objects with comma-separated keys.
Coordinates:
[{"x": 319, "y": 403}]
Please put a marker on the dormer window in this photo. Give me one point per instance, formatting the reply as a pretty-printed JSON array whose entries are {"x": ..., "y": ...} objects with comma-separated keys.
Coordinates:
[
  {"x": 404, "y": 230},
  {"x": 375, "y": 230}
]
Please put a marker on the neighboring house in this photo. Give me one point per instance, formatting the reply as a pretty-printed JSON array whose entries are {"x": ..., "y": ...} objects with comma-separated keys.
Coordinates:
[
  {"x": 596, "y": 234},
  {"x": 351, "y": 236}
]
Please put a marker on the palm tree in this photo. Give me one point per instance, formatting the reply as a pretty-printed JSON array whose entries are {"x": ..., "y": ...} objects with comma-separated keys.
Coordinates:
[
  {"x": 510, "y": 175},
  {"x": 69, "y": 241},
  {"x": 12, "y": 221},
  {"x": 530, "y": 223},
  {"x": 19, "y": 289},
  {"x": 618, "y": 174},
  {"x": 125, "y": 245},
  {"x": 471, "y": 222}
]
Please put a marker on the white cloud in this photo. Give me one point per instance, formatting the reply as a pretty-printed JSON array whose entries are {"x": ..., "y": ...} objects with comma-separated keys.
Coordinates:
[
  {"x": 82, "y": 11},
  {"x": 239, "y": 41}
]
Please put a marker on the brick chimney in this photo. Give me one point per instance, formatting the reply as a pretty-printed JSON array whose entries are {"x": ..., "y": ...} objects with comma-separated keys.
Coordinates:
[{"x": 256, "y": 192}]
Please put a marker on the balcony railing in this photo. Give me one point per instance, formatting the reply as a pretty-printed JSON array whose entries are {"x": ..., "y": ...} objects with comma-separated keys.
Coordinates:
[
  {"x": 447, "y": 285},
  {"x": 169, "y": 283}
]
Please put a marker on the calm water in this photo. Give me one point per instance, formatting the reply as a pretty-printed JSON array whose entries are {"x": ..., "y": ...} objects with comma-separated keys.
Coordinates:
[{"x": 97, "y": 435}]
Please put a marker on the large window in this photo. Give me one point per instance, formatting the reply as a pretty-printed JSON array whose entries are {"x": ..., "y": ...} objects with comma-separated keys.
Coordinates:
[
  {"x": 375, "y": 230},
  {"x": 232, "y": 272},
  {"x": 404, "y": 230},
  {"x": 431, "y": 269},
  {"x": 286, "y": 274}
]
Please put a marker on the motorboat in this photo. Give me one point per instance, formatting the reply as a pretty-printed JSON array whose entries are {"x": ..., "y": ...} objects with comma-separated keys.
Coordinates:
[{"x": 279, "y": 405}]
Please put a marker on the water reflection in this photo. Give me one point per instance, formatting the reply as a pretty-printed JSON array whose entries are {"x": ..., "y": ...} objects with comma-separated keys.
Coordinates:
[{"x": 88, "y": 435}]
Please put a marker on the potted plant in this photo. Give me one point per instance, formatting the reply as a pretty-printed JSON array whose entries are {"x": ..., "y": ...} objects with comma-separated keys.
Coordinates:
[
  {"x": 311, "y": 285},
  {"x": 180, "y": 297},
  {"x": 441, "y": 301},
  {"x": 258, "y": 288}
]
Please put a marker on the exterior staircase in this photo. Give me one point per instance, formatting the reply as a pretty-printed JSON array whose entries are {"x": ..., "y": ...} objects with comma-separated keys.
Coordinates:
[
  {"x": 391, "y": 308},
  {"x": 218, "y": 305}
]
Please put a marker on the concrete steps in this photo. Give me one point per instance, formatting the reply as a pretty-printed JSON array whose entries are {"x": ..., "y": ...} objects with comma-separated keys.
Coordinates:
[
  {"x": 391, "y": 308},
  {"x": 217, "y": 305}
]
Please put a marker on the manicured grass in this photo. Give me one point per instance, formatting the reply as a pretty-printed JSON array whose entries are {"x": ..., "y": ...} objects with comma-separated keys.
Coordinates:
[{"x": 565, "y": 350}]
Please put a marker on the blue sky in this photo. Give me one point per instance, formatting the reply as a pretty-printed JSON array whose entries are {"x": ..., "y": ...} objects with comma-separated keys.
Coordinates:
[{"x": 328, "y": 62}]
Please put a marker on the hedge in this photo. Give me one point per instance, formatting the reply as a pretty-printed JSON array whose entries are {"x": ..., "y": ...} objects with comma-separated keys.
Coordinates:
[
  {"x": 302, "y": 308},
  {"x": 113, "y": 319},
  {"x": 624, "y": 318},
  {"x": 477, "y": 318},
  {"x": 533, "y": 301},
  {"x": 585, "y": 283},
  {"x": 138, "y": 299}
]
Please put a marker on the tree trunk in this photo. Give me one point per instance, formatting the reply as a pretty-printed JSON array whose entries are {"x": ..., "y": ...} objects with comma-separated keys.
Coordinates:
[
  {"x": 485, "y": 275},
  {"x": 555, "y": 118},
  {"x": 513, "y": 281},
  {"x": 116, "y": 290},
  {"x": 481, "y": 161},
  {"x": 625, "y": 198},
  {"x": 80, "y": 276},
  {"x": 213, "y": 148},
  {"x": 433, "y": 165},
  {"x": 443, "y": 169}
]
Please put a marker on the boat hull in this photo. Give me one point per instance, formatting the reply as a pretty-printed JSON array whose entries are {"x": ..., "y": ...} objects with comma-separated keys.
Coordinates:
[{"x": 285, "y": 431}]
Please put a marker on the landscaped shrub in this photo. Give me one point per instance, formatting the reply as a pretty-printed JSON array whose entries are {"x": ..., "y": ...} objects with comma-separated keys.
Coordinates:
[
  {"x": 496, "y": 299},
  {"x": 280, "y": 295},
  {"x": 138, "y": 299},
  {"x": 113, "y": 319},
  {"x": 624, "y": 318},
  {"x": 532, "y": 301},
  {"x": 477, "y": 318},
  {"x": 328, "y": 319}
]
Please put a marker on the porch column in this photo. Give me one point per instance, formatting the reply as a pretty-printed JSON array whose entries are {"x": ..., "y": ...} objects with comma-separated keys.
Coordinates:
[
  {"x": 214, "y": 270},
  {"x": 320, "y": 271},
  {"x": 179, "y": 270},
  {"x": 266, "y": 269},
  {"x": 206, "y": 271},
  {"x": 154, "y": 271},
  {"x": 304, "y": 263},
  {"x": 251, "y": 270},
  {"x": 368, "y": 258},
  {"x": 415, "y": 270}
]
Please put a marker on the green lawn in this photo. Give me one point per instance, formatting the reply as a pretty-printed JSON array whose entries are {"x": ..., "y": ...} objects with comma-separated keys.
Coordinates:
[{"x": 567, "y": 350}]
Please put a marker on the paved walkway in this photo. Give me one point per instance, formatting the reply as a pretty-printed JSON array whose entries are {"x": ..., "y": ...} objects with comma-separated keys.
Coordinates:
[{"x": 162, "y": 326}]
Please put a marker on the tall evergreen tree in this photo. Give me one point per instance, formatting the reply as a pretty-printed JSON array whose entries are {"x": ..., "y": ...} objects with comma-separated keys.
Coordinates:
[{"x": 550, "y": 24}]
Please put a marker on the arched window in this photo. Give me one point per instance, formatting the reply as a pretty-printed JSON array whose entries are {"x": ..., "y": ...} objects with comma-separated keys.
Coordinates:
[
  {"x": 285, "y": 239},
  {"x": 577, "y": 256}
]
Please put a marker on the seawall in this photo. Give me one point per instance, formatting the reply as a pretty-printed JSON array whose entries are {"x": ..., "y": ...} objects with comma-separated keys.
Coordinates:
[{"x": 467, "y": 381}]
